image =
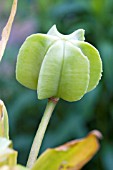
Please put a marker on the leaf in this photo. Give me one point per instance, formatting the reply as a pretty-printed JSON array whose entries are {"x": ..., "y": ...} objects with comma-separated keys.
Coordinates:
[
  {"x": 8, "y": 156},
  {"x": 4, "y": 124},
  {"x": 17, "y": 167},
  {"x": 70, "y": 156},
  {"x": 7, "y": 29},
  {"x": 4, "y": 143}
]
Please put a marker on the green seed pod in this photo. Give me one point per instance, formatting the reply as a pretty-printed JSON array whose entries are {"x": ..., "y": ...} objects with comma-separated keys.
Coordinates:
[{"x": 56, "y": 65}]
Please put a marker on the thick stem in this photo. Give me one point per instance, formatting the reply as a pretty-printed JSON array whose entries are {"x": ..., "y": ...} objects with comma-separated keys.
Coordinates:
[{"x": 41, "y": 131}]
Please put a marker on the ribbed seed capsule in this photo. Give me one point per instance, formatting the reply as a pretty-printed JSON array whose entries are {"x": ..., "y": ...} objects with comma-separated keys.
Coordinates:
[{"x": 56, "y": 65}]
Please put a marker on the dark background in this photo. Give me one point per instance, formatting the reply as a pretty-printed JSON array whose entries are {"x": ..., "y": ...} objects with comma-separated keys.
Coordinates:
[{"x": 70, "y": 120}]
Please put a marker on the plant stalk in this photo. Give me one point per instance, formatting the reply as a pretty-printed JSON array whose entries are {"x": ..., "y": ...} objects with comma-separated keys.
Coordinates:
[{"x": 41, "y": 131}]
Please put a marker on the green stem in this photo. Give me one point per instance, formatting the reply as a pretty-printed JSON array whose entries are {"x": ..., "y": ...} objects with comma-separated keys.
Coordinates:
[{"x": 41, "y": 131}]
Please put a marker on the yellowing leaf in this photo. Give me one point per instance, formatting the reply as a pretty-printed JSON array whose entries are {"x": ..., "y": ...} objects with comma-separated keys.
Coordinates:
[
  {"x": 7, "y": 29},
  {"x": 17, "y": 167},
  {"x": 4, "y": 124},
  {"x": 70, "y": 156}
]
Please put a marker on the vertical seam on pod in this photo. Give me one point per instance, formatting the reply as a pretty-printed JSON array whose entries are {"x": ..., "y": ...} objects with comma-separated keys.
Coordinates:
[
  {"x": 43, "y": 59},
  {"x": 61, "y": 70}
]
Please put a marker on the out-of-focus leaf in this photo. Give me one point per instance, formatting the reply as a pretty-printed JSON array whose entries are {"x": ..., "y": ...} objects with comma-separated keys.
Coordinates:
[
  {"x": 107, "y": 156},
  {"x": 18, "y": 167},
  {"x": 8, "y": 156},
  {"x": 70, "y": 156},
  {"x": 7, "y": 29},
  {"x": 4, "y": 124},
  {"x": 98, "y": 6}
]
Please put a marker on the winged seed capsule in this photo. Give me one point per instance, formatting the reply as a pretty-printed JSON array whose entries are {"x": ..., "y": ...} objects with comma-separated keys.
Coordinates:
[{"x": 56, "y": 65}]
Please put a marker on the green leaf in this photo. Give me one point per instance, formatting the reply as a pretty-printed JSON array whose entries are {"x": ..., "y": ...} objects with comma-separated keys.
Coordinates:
[
  {"x": 19, "y": 167},
  {"x": 95, "y": 62},
  {"x": 30, "y": 58},
  {"x": 4, "y": 124},
  {"x": 7, "y": 155},
  {"x": 70, "y": 156}
]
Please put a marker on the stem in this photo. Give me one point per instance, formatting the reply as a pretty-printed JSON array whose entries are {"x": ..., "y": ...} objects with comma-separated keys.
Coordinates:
[{"x": 41, "y": 131}]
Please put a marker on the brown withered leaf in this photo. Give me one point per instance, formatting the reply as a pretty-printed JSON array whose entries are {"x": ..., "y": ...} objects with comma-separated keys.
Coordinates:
[
  {"x": 70, "y": 156},
  {"x": 7, "y": 29}
]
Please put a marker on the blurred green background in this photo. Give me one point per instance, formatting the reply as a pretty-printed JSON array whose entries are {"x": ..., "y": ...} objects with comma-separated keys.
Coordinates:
[{"x": 70, "y": 120}]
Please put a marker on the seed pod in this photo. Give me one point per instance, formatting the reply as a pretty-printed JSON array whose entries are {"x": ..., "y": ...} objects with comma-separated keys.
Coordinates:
[{"x": 56, "y": 65}]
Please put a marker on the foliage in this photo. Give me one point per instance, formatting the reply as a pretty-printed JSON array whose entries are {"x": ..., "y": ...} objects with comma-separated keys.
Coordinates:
[
  {"x": 72, "y": 155},
  {"x": 73, "y": 120},
  {"x": 72, "y": 152}
]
